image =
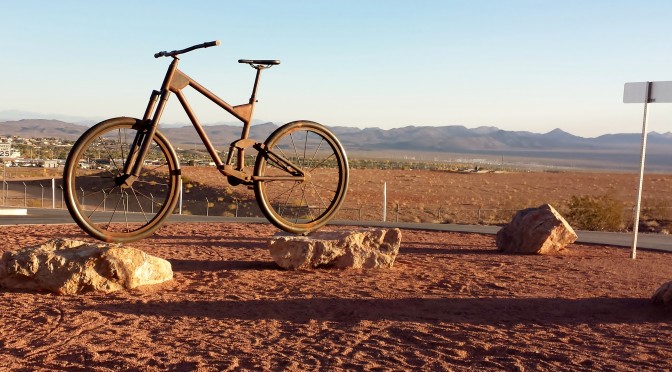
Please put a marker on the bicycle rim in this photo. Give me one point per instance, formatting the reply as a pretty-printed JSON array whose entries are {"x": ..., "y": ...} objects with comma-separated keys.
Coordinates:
[
  {"x": 105, "y": 209},
  {"x": 301, "y": 205}
]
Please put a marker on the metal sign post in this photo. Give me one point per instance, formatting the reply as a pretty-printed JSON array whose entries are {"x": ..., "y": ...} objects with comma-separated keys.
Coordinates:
[{"x": 644, "y": 92}]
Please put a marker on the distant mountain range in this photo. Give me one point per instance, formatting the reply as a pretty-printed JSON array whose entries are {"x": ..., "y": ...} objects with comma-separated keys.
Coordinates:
[{"x": 454, "y": 138}]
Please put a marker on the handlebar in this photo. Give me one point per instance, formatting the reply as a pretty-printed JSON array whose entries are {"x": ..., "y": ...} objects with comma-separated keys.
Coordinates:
[{"x": 176, "y": 52}]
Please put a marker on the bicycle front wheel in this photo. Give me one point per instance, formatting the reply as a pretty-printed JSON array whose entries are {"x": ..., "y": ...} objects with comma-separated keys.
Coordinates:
[
  {"x": 301, "y": 177},
  {"x": 104, "y": 206}
]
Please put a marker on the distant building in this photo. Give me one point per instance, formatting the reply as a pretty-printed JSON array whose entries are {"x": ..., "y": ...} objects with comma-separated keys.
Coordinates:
[{"x": 48, "y": 163}]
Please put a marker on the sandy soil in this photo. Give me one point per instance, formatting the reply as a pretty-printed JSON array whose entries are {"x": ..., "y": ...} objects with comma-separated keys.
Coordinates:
[{"x": 452, "y": 302}]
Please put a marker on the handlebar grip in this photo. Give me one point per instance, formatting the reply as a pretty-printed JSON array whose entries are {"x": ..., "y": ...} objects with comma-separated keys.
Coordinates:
[{"x": 176, "y": 52}]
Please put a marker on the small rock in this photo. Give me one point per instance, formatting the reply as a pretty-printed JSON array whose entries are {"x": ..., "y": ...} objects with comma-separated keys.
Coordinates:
[
  {"x": 536, "y": 231},
  {"x": 364, "y": 248},
  {"x": 71, "y": 267}
]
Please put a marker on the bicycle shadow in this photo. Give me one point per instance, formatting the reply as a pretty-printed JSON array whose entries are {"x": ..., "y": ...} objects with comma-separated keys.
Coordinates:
[
  {"x": 472, "y": 311},
  {"x": 451, "y": 250}
]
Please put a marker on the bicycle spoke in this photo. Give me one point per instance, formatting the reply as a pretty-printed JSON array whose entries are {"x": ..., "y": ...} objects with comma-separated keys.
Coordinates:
[
  {"x": 126, "y": 210},
  {"x": 305, "y": 146},
  {"x": 114, "y": 211},
  {"x": 310, "y": 213},
  {"x": 135, "y": 195},
  {"x": 289, "y": 194},
  {"x": 318, "y": 195},
  {"x": 105, "y": 197},
  {"x": 281, "y": 194},
  {"x": 277, "y": 164},
  {"x": 291, "y": 137},
  {"x": 279, "y": 149},
  {"x": 323, "y": 161},
  {"x": 121, "y": 144},
  {"x": 319, "y": 146}
]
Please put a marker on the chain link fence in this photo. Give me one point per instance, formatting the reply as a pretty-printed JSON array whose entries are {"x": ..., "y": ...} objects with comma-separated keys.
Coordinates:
[{"x": 48, "y": 193}]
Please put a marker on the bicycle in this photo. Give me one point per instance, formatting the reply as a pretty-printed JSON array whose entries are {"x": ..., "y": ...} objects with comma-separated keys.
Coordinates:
[{"x": 300, "y": 175}]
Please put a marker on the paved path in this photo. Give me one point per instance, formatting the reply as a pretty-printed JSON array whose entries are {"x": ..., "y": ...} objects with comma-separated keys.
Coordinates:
[{"x": 36, "y": 216}]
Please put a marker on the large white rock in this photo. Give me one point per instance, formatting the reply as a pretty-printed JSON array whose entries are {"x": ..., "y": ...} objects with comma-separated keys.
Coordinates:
[
  {"x": 364, "y": 248},
  {"x": 536, "y": 231},
  {"x": 72, "y": 267}
]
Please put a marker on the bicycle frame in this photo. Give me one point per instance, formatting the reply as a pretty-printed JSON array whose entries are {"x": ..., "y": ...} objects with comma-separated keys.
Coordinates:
[{"x": 175, "y": 81}]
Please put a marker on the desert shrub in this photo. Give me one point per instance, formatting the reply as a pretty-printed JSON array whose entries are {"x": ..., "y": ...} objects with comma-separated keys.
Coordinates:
[
  {"x": 500, "y": 216},
  {"x": 658, "y": 210},
  {"x": 595, "y": 213},
  {"x": 36, "y": 203}
]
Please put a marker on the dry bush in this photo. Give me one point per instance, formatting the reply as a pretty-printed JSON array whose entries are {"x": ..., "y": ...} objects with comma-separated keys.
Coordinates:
[
  {"x": 596, "y": 213},
  {"x": 659, "y": 210}
]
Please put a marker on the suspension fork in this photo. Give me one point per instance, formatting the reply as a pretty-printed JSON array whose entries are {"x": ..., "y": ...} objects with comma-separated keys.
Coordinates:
[
  {"x": 142, "y": 141},
  {"x": 143, "y": 138}
]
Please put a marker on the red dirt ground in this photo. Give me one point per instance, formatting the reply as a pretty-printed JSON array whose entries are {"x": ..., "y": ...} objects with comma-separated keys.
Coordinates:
[{"x": 451, "y": 302}]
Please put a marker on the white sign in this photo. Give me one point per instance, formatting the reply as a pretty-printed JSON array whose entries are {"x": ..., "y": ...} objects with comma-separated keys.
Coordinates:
[
  {"x": 661, "y": 92},
  {"x": 5, "y": 150}
]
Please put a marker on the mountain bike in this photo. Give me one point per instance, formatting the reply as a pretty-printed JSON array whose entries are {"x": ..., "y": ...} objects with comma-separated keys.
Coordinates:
[{"x": 122, "y": 176}]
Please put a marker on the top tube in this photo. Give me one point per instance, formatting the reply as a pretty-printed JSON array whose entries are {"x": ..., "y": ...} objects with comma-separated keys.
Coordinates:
[{"x": 176, "y": 52}]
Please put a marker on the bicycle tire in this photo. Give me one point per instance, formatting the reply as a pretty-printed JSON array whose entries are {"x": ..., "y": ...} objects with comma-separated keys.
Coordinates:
[
  {"x": 301, "y": 207},
  {"x": 93, "y": 164}
]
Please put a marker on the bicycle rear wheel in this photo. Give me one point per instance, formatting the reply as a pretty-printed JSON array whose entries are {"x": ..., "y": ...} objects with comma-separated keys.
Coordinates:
[
  {"x": 97, "y": 198},
  {"x": 301, "y": 177}
]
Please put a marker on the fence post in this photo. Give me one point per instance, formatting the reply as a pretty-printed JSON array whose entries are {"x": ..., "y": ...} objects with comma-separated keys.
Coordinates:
[
  {"x": 180, "y": 195},
  {"x": 397, "y": 216},
  {"x": 152, "y": 197},
  {"x": 207, "y": 207},
  {"x": 384, "y": 201},
  {"x": 53, "y": 193},
  {"x": 61, "y": 186},
  {"x": 83, "y": 205},
  {"x": 104, "y": 199},
  {"x": 478, "y": 216},
  {"x": 236, "y": 201},
  {"x": 25, "y": 195},
  {"x": 42, "y": 196}
]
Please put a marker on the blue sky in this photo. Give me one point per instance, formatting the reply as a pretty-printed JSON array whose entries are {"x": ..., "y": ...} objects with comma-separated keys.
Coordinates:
[{"x": 517, "y": 65}]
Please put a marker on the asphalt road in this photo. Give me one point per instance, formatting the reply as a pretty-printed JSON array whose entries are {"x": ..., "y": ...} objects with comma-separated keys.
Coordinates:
[{"x": 36, "y": 216}]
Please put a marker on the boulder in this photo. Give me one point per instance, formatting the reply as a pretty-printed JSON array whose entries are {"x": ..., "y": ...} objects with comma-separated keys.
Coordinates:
[
  {"x": 663, "y": 295},
  {"x": 363, "y": 248},
  {"x": 72, "y": 267},
  {"x": 539, "y": 230}
]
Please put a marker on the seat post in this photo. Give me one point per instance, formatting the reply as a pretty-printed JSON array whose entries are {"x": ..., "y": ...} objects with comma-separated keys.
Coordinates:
[{"x": 253, "y": 98}]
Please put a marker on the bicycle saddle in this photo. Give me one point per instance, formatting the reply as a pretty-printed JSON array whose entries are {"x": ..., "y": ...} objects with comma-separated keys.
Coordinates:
[{"x": 268, "y": 62}]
